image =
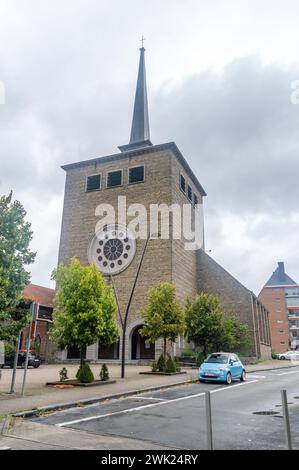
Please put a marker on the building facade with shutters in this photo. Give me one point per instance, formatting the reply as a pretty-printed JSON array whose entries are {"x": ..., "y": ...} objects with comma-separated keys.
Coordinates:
[
  {"x": 149, "y": 175},
  {"x": 280, "y": 294}
]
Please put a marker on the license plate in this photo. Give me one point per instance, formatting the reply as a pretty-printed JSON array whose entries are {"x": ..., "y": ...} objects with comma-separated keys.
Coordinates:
[{"x": 209, "y": 374}]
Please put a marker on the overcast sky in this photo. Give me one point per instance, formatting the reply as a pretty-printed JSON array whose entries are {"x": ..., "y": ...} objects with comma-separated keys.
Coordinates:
[{"x": 219, "y": 78}]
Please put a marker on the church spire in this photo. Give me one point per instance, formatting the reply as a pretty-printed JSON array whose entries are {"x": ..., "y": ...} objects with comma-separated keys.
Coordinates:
[{"x": 140, "y": 132}]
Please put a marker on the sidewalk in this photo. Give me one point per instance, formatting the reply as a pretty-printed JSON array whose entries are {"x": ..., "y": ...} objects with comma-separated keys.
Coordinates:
[{"x": 38, "y": 395}]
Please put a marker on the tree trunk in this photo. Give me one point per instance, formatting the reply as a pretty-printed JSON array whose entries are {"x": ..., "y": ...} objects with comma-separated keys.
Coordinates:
[
  {"x": 205, "y": 351},
  {"x": 81, "y": 356},
  {"x": 164, "y": 353}
]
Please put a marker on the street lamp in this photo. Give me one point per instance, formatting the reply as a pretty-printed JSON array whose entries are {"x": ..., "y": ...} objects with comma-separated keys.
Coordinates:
[{"x": 124, "y": 320}]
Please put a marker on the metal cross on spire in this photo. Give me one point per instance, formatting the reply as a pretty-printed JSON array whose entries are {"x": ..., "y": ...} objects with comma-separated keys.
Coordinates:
[{"x": 142, "y": 41}]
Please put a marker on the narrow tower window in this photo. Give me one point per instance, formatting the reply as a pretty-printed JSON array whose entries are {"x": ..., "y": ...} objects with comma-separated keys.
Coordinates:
[
  {"x": 183, "y": 184},
  {"x": 189, "y": 193}
]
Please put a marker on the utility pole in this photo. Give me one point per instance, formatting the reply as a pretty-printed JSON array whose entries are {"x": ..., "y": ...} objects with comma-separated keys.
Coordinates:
[
  {"x": 124, "y": 320},
  {"x": 15, "y": 365},
  {"x": 34, "y": 310}
]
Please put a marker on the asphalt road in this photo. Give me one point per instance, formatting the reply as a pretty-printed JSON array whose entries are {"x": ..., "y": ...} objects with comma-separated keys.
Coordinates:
[{"x": 176, "y": 417}]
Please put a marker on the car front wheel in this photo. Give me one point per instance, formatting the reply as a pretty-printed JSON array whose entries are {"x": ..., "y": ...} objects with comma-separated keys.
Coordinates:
[
  {"x": 243, "y": 376},
  {"x": 229, "y": 378}
]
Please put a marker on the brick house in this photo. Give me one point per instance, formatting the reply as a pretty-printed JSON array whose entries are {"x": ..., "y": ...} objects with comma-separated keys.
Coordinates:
[
  {"x": 146, "y": 174},
  {"x": 43, "y": 296},
  {"x": 280, "y": 295}
]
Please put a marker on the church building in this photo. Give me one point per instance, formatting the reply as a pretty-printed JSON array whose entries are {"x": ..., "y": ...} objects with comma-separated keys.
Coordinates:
[{"x": 147, "y": 175}]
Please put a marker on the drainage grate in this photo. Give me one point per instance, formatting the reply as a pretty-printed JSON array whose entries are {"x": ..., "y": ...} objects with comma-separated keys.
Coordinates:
[{"x": 266, "y": 413}]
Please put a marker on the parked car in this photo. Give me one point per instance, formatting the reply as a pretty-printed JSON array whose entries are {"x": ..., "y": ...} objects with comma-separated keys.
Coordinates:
[
  {"x": 222, "y": 367},
  {"x": 289, "y": 355},
  {"x": 33, "y": 359}
]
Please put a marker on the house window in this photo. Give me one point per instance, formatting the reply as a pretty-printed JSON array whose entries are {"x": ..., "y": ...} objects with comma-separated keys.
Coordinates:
[
  {"x": 183, "y": 184},
  {"x": 114, "y": 178},
  {"x": 93, "y": 183},
  {"x": 189, "y": 193},
  {"x": 282, "y": 342},
  {"x": 195, "y": 199},
  {"x": 136, "y": 174}
]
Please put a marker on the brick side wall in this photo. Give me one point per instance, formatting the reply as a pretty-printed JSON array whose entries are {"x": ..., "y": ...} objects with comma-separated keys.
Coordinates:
[
  {"x": 235, "y": 299},
  {"x": 274, "y": 299}
]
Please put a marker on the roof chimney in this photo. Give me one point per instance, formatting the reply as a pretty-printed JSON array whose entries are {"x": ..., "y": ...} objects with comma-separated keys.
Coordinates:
[{"x": 281, "y": 271}]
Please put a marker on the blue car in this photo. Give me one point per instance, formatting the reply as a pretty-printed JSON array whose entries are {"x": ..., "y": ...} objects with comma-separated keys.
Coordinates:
[{"x": 222, "y": 367}]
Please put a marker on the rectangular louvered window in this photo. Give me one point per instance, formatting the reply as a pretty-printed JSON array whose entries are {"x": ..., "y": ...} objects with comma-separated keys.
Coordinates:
[
  {"x": 183, "y": 184},
  {"x": 136, "y": 174},
  {"x": 93, "y": 183},
  {"x": 114, "y": 178},
  {"x": 195, "y": 200},
  {"x": 189, "y": 193}
]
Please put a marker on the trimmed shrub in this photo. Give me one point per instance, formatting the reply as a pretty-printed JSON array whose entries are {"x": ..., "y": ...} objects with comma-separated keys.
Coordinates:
[
  {"x": 200, "y": 358},
  {"x": 154, "y": 366},
  {"x": 187, "y": 353},
  {"x": 161, "y": 364},
  {"x": 63, "y": 374},
  {"x": 84, "y": 374},
  {"x": 170, "y": 365},
  {"x": 177, "y": 366},
  {"x": 104, "y": 374}
]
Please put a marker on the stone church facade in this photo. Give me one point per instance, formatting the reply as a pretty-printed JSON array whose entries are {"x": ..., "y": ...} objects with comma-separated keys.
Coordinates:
[{"x": 145, "y": 174}]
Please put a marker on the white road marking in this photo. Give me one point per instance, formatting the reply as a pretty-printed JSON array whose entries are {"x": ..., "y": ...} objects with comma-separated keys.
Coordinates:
[
  {"x": 286, "y": 373},
  {"x": 255, "y": 376},
  {"x": 146, "y": 398},
  {"x": 151, "y": 405}
]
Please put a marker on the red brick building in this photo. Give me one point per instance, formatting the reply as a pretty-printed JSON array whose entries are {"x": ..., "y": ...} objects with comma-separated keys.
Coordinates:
[
  {"x": 281, "y": 297},
  {"x": 44, "y": 297}
]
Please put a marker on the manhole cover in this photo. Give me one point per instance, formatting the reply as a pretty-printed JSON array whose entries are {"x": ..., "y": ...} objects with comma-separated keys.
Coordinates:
[{"x": 267, "y": 413}]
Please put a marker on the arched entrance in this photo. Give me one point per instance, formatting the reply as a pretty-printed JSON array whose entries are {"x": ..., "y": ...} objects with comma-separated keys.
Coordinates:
[{"x": 139, "y": 348}]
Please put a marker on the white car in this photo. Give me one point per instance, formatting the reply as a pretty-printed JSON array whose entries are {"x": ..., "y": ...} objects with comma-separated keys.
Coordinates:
[{"x": 290, "y": 355}]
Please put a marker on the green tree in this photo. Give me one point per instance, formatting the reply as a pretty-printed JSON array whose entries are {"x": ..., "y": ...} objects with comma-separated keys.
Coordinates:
[
  {"x": 85, "y": 308},
  {"x": 163, "y": 316},
  {"x": 236, "y": 334},
  {"x": 15, "y": 238},
  {"x": 204, "y": 322}
]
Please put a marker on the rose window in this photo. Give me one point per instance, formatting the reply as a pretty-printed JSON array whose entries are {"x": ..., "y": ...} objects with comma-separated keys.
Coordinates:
[{"x": 112, "y": 249}]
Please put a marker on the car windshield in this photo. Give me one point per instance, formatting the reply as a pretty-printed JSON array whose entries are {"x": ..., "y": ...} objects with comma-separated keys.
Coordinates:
[{"x": 218, "y": 358}]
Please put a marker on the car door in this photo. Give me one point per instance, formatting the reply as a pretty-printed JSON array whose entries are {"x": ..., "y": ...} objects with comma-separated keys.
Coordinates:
[{"x": 236, "y": 368}]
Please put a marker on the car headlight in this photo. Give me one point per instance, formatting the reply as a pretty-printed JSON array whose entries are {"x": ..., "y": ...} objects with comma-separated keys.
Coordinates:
[{"x": 222, "y": 371}]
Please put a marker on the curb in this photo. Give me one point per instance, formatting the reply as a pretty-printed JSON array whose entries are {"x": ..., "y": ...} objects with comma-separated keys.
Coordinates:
[
  {"x": 272, "y": 368},
  {"x": 5, "y": 425},
  {"x": 90, "y": 401}
]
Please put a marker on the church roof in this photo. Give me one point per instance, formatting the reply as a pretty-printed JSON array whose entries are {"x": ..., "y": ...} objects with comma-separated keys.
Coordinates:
[
  {"x": 141, "y": 151},
  {"x": 280, "y": 277},
  {"x": 42, "y": 295},
  {"x": 140, "y": 131},
  {"x": 140, "y": 143}
]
